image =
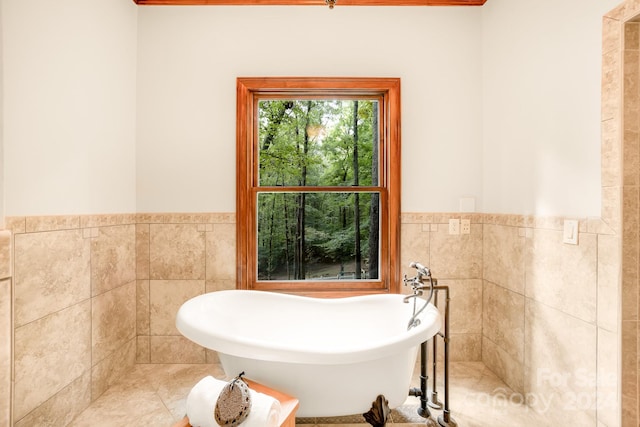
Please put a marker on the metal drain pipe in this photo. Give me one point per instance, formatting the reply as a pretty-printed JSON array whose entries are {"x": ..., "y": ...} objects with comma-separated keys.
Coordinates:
[
  {"x": 421, "y": 392},
  {"x": 445, "y": 419},
  {"x": 433, "y": 399}
]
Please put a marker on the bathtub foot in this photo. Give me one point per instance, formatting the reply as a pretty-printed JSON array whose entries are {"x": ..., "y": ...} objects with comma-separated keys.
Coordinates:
[{"x": 379, "y": 412}]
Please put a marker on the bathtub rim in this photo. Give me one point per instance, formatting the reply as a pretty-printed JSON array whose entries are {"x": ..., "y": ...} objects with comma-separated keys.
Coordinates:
[{"x": 189, "y": 326}]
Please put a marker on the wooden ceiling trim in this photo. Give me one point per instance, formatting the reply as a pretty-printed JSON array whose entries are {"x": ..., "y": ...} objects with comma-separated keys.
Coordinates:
[{"x": 339, "y": 3}]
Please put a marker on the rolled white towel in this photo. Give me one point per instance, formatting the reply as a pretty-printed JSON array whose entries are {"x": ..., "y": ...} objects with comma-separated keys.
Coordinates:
[
  {"x": 265, "y": 411},
  {"x": 201, "y": 401}
]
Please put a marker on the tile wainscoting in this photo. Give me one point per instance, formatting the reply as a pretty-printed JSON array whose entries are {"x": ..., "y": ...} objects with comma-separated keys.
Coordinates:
[
  {"x": 74, "y": 306},
  {"x": 96, "y": 294},
  {"x": 6, "y": 328}
]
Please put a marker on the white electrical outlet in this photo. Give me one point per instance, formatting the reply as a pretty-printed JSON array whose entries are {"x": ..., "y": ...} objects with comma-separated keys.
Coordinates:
[
  {"x": 465, "y": 226},
  {"x": 454, "y": 226}
]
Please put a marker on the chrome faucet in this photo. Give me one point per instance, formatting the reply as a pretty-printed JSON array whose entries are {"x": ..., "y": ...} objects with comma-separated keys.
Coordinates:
[{"x": 417, "y": 287}]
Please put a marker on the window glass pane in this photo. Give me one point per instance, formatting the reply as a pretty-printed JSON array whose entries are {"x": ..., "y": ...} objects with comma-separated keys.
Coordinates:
[
  {"x": 318, "y": 236},
  {"x": 318, "y": 142}
]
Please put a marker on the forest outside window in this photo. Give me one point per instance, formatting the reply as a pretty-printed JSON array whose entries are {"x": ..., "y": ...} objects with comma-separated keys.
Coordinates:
[{"x": 318, "y": 185}]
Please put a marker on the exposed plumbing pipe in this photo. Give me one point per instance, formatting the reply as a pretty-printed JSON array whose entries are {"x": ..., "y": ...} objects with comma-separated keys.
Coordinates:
[
  {"x": 445, "y": 419},
  {"x": 434, "y": 402},
  {"x": 421, "y": 392}
]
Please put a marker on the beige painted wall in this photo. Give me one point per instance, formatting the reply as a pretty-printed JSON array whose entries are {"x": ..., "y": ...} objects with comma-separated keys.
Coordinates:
[
  {"x": 69, "y": 106},
  {"x": 109, "y": 107}
]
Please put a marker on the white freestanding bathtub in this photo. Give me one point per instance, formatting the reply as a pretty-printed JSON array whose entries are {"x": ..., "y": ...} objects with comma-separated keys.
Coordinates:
[{"x": 335, "y": 355}]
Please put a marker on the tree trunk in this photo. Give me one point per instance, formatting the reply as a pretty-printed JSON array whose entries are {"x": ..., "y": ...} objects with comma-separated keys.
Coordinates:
[
  {"x": 287, "y": 236},
  {"x": 299, "y": 268},
  {"x": 374, "y": 214},
  {"x": 301, "y": 217},
  {"x": 272, "y": 226},
  {"x": 356, "y": 203}
]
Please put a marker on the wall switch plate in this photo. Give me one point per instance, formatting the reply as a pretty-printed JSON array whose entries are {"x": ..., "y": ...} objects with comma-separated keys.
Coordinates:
[
  {"x": 467, "y": 204},
  {"x": 454, "y": 226},
  {"x": 465, "y": 226},
  {"x": 570, "y": 232}
]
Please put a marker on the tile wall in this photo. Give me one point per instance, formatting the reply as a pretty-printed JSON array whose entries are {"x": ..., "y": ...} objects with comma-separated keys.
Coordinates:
[
  {"x": 550, "y": 316},
  {"x": 540, "y": 313},
  {"x": 74, "y": 308},
  {"x": 456, "y": 261},
  {"x": 179, "y": 257},
  {"x": 621, "y": 183},
  {"x": 630, "y": 215},
  {"x": 6, "y": 328}
]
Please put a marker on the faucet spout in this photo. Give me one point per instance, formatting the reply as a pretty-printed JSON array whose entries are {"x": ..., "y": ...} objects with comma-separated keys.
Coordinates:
[{"x": 414, "y": 295}]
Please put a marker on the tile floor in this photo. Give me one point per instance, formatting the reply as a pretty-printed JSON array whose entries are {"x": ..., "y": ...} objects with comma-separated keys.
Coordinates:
[{"x": 155, "y": 396}]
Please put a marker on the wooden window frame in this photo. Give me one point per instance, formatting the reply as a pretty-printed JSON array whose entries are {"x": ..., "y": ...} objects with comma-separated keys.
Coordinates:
[{"x": 249, "y": 90}]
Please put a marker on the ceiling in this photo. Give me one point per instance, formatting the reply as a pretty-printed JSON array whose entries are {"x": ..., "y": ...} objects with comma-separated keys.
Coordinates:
[{"x": 315, "y": 2}]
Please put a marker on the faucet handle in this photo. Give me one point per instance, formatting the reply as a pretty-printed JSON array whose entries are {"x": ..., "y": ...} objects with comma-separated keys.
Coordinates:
[{"x": 406, "y": 280}]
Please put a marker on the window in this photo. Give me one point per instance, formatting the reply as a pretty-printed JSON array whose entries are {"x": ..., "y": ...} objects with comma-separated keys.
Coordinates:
[{"x": 318, "y": 185}]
